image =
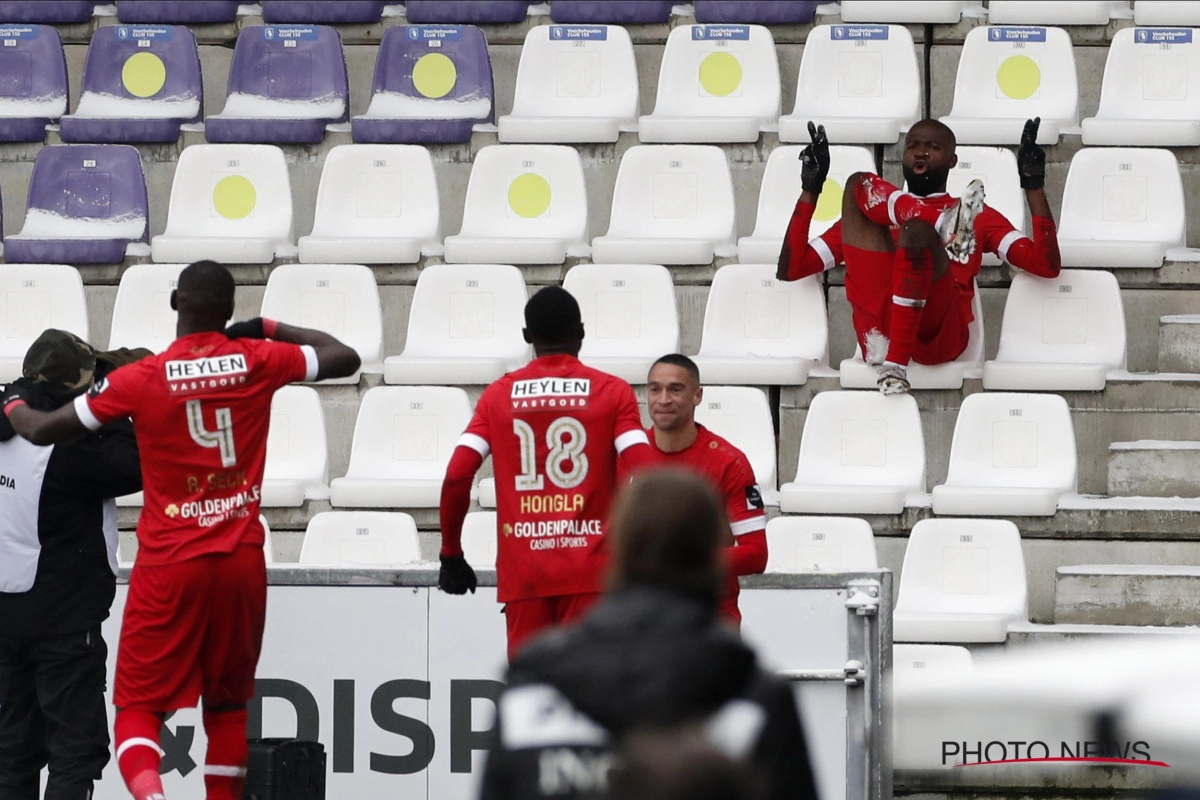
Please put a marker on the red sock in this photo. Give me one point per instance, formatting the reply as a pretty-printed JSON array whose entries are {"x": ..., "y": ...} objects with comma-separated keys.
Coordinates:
[
  {"x": 912, "y": 278},
  {"x": 138, "y": 753},
  {"x": 882, "y": 203},
  {"x": 225, "y": 762}
]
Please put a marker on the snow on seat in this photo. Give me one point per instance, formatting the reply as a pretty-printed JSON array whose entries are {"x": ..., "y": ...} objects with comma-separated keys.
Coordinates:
[
  {"x": 781, "y": 189},
  {"x": 1166, "y": 12},
  {"x": 525, "y": 204},
  {"x": 467, "y": 12},
  {"x": 479, "y": 539},
  {"x": 230, "y": 203},
  {"x": 142, "y": 314},
  {"x": 464, "y": 328},
  {"x": 140, "y": 83},
  {"x": 742, "y": 416},
  {"x": 376, "y": 204},
  {"x": 37, "y": 297},
  {"x": 1008, "y": 75},
  {"x": 1011, "y": 455},
  {"x": 1060, "y": 335},
  {"x": 716, "y": 83},
  {"x": 176, "y": 12},
  {"x": 756, "y": 12},
  {"x": 860, "y": 81},
  {"x": 402, "y": 443},
  {"x": 432, "y": 84},
  {"x": 759, "y": 330},
  {"x": 963, "y": 580},
  {"x": 361, "y": 538},
  {"x": 820, "y": 544},
  {"x": 58, "y": 12},
  {"x": 286, "y": 83},
  {"x": 296, "y": 466},
  {"x": 33, "y": 80},
  {"x": 1121, "y": 207},
  {"x": 860, "y": 453},
  {"x": 87, "y": 202},
  {"x": 629, "y": 316},
  {"x": 575, "y": 83},
  {"x": 919, "y": 11},
  {"x": 611, "y": 12},
  {"x": 673, "y": 204},
  {"x": 339, "y": 299},
  {"x": 1055, "y": 12},
  {"x": 322, "y": 12}
]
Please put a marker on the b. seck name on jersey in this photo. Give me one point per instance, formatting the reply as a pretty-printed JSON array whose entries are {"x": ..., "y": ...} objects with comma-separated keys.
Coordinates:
[
  {"x": 205, "y": 374},
  {"x": 539, "y": 393}
]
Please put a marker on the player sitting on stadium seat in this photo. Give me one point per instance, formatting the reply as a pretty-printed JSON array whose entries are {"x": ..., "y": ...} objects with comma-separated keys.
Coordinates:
[{"x": 911, "y": 257}]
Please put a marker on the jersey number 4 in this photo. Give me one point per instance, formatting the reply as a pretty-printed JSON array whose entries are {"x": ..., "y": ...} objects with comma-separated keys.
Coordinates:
[
  {"x": 566, "y": 463},
  {"x": 221, "y": 438}
]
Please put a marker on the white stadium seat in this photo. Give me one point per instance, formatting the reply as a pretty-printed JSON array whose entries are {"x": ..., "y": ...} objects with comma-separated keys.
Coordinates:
[
  {"x": 376, "y": 204},
  {"x": 479, "y": 539},
  {"x": 673, "y": 204},
  {"x": 1146, "y": 98},
  {"x": 464, "y": 326},
  {"x": 360, "y": 538},
  {"x": 921, "y": 11},
  {"x": 575, "y": 83},
  {"x": 297, "y": 458},
  {"x": 1060, "y": 335},
  {"x": 742, "y": 416},
  {"x": 762, "y": 331},
  {"x": 860, "y": 81},
  {"x": 268, "y": 541},
  {"x": 629, "y": 316},
  {"x": 1166, "y": 12},
  {"x": 1054, "y": 12},
  {"x": 860, "y": 453},
  {"x": 403, "y": 439},
  {"x": 37, "y": 297},
  {"x": 781, "y": 189},
  {"x": 487, "y": 493},
  {"x": 1121, "y": 207},
  {"x": 142, "y": 314},
  {"x": 526, "y": 204},
  {"x": 230, "y": 203},
  {"x": 1009, "y": 75},
  {"x": 963, "y": 580},
  {"x": 820, "y": 544},
  {"x": 1011, "y": 455},
  {"x": 914, "y": 667},
  {"x": 717, "y": 83}
]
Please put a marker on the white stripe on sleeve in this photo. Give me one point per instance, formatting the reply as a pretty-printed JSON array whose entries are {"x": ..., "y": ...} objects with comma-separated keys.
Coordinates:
[
  {"x": 1010, "y": 238},
  {"x": 138, "y": 741},
  {"x": 824, "y": 252},
  {"x": 476, "y": 443},
  {"x": 311, "y": 365},
  {"x": 742, "y": 527},
  {"x": 630, "y": 438},
  {"x": 84, "y": 412},
  {"x": 892, "y": 198},
  {"x": 907, "y": 301},
  {"x": 222, "y": 771}
]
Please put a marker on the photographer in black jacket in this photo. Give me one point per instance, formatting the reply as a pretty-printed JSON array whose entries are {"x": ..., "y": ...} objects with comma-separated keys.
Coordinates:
[{"x": 58, "y": 566}]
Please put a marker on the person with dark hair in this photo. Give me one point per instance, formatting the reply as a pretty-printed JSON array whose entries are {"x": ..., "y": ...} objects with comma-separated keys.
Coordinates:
[
  {"x": 680, "y": 763},
  {"x": 197, "y": 597},
  {"x": 653, "y": 654},
  {"x": 555, "y": 430},
  {"x": 673, "y": 392}
]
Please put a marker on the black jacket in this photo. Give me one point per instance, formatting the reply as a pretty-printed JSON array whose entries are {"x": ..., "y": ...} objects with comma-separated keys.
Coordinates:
[{"x": 644, "y": 656}]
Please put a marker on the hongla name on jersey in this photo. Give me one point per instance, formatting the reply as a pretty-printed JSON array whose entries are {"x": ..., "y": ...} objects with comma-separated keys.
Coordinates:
[{"x": 550, "y": 393}]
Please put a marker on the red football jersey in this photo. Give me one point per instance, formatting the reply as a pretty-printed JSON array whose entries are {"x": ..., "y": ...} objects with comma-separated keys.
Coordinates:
[
  {"x": 554, "y": 429},
  {"x": 201, "y": 410}
]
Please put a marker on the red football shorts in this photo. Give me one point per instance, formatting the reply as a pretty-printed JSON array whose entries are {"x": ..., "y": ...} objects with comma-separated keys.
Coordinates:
[
  {"x": 527, "y": 618},
  {"x": 192, "y": 630}
]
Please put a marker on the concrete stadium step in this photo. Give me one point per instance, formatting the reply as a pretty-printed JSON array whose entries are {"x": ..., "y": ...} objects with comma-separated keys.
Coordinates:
[
  {"x": 1115, "y": 594},
  {"x": 1179, "y": 343},
  {"x": 1152, "y": 468}
]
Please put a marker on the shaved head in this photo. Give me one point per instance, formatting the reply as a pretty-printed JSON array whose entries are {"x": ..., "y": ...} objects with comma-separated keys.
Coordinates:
[
  {"x": 933, "y": 127},
  {"x": 204, "y": 297}
]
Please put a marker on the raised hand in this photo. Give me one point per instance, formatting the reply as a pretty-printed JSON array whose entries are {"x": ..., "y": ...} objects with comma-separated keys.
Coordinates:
[
  {"x": 1031, "y": 158},
  {"x": 814, "y": 160}
]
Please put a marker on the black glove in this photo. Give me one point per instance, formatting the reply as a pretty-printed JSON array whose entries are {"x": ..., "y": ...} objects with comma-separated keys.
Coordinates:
[
  {"x": 250, "y": 329},
  {"x": 814, "y": 160},
  {"x": 14, "y": 391},
  {"x": 456, "y": 576},
  {"x": 1031, "y": 158}
]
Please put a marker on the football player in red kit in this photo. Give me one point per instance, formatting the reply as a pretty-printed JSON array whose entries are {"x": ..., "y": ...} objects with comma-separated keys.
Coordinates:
[
  {"x": 554, "y": 429},
  {"x": 197, "y": 596},
  {"x": 911, "y": 257},
  {"x": 673, "y": 392}
]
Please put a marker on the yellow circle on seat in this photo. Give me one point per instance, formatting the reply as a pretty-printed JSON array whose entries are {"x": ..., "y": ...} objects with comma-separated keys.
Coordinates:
[
  {"x": 529, "y": 195},
  {"x": 234, "y": 197},
  {"x": 143, "y": 74},
  {"x": 829, "y": 204},
  {"x": 434, "y": 75},
  {"x": 720, "y": 74},
  {"x": 1019, "y": 77}
]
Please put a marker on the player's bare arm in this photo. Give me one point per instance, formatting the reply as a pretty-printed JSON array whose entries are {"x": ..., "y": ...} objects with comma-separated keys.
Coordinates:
[
  {"x": 42, "y": 427},
  {"x": 334, "y": 359}
]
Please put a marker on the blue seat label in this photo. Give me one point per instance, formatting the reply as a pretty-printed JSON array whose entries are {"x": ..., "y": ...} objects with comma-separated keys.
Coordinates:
[
  {"x": 434, "y": 33},
  {"x": 564, "y": 33},
  {"x": 1162, "y": 35},
  {"x": 290, "y": 33},
  {"x": 18, "y": 32},
  {"x": 720, "y": 32},
  {"x": 844, "y": 33},
  {"x": 1017, "y": 34},
  {"x": 138, "y": 33}
]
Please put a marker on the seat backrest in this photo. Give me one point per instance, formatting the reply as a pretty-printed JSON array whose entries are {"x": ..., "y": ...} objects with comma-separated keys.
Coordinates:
[
  {"x": 1076, "y": 318},
  {"x": 176, "y": 12},
  {"x": 673, "y": 191},
  {"x": 611, "y": 12},
  {"x": 433, "y": 72},
  {"x": 751, "y": 313},
  {"x": 1016, "y": 73},
  {"x": 231, "y": 190},
  {"x": 962, "y": 566},
  {"x": 60, "y": 12},
  {"x": 367, "y": 538},
  {"x": 859, "y": 71},
  {"x": 1054, "y": 12},
  {"x": 467, "y": 310},
  {"x": 142, "y": 70},
  {"x": 473, "y": 12},
  {"x": 142, "y": 314},
  {"x": 407, "y": 432},
  {"x": 33, "y": 70},
  {"x": 1011, "y": 439},
  {"x": 577, "y": 71},
  {"x": 912, "y": 663},
  {"x": 296, "y": 438},
  {"x": 527, "y": 191},
  {"x": 87, "y": 190},
  {"x": 37, "y": 297},
  {"x": 322, "y": 12},
  {"x": 1143, "y": 82},
  {"x": 339, "y": 299},
  {"x": 293, "y": 71},
  {"x": 378, "y": 190},
  {"x": 627, "y": 309},
  {"x": 1124, "y": 194},
  {"x": 820, "y": 544},
  {"x": 946, "y": 11},
  {"x": 997, "y": 168},
  {"x": 759, "y": 12},
  {"x": 781, "y": 188},
  {"x": 1166, "y": 12},
  {"x": 719, "y": 71},
  {"x": 741, "y": 415},
  {"x": 862, "y": 438},
  {"x": 479, "y": 539}
]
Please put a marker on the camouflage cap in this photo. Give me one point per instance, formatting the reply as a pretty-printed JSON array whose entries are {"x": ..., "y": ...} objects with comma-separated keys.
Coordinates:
[{"x": 60, "y": 362}]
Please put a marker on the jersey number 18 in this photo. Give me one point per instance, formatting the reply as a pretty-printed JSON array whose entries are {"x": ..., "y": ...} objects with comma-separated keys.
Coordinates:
[{"x": 566, "y": 463}]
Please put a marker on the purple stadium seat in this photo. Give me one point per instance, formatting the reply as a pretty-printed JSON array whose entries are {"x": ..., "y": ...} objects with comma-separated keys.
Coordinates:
[
  {"x": 86, "y": 202},
  {"x": 756, "y": 12},
  {"x": 177, "y": 12},
  {"x": 52, "y": 12},
  {"x": 33, "y": 81},
  {"x": 140, "y": 82},
  {"x": 466, "y": 12},
  {"x": 322, "y": 12},
  {"x": 286, "y": 83},
  {"x": 432, "y": 84},
  {"x": 611, "y": 12}
]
